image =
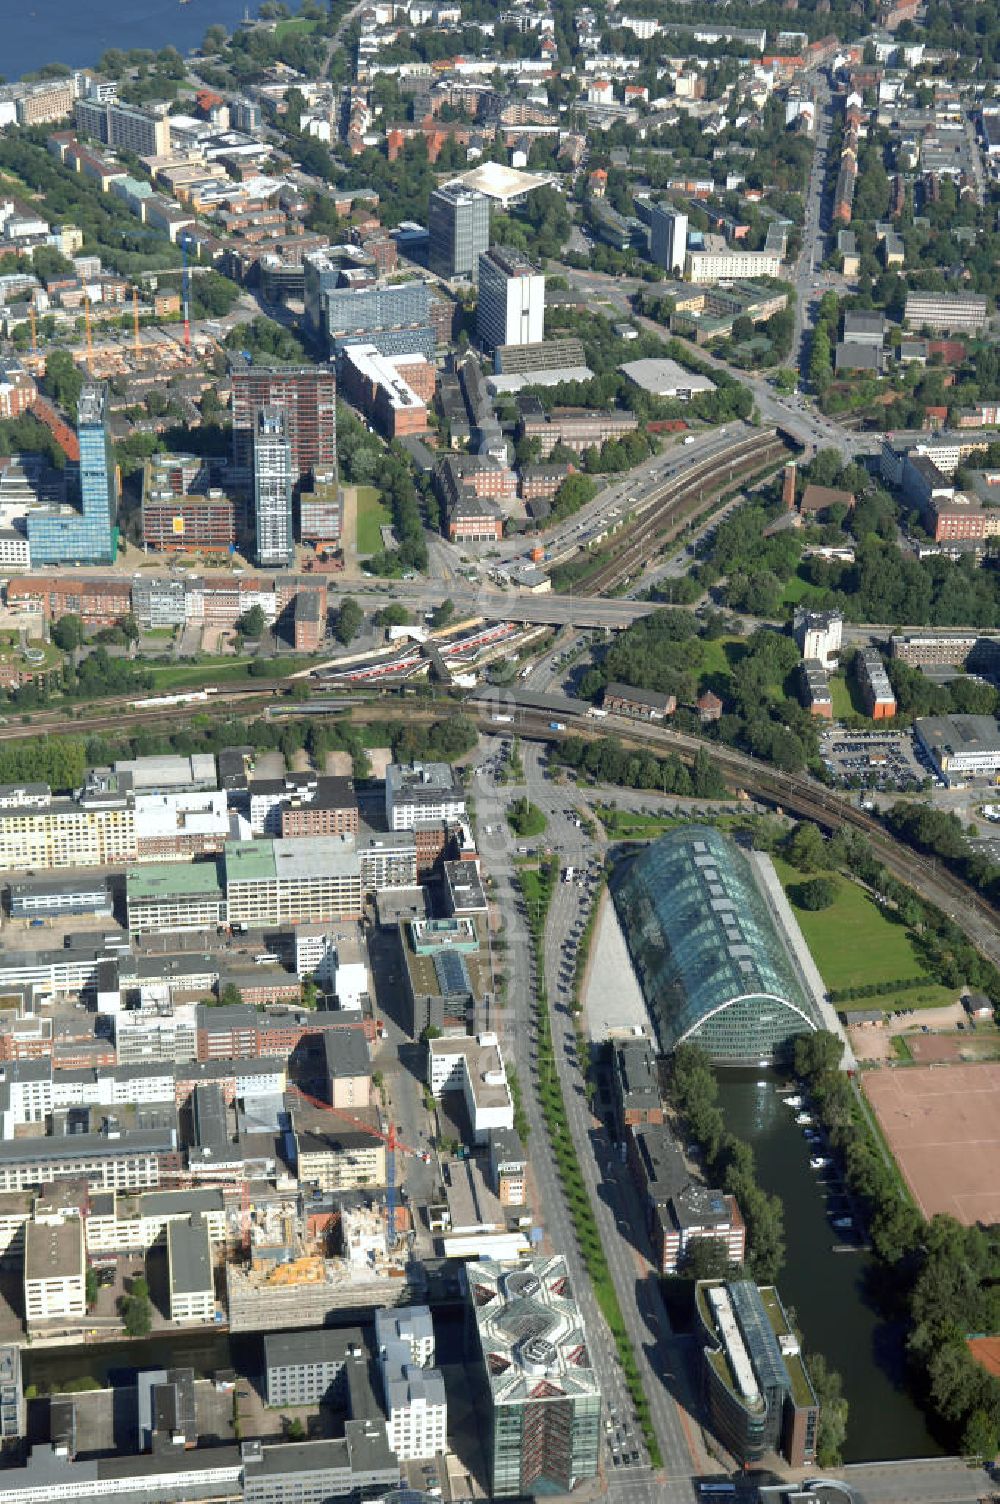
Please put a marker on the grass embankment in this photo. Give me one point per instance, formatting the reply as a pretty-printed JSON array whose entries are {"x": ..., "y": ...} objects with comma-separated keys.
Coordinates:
[
  {"x": 855, "y": 946},
  {"x": 372, "y": 514},
  {"x": 537, "y": 886}
]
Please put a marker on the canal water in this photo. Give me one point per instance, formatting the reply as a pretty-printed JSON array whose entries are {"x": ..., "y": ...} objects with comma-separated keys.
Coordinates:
[{"x": 827, "y": 1289}]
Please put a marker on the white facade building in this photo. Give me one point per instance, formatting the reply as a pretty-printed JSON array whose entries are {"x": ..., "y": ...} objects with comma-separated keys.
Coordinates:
[
  {"x": 474, "y": 1066},
  {"x": 819, "y": 635},
  {"x": 511, "y": 299}
]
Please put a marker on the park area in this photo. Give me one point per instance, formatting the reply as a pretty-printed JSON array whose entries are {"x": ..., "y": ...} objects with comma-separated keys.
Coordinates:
[
  {"x": 942, "y": 1123},
  {"x": 854, "y": 945},
  {"x": 372, "y": 516}
]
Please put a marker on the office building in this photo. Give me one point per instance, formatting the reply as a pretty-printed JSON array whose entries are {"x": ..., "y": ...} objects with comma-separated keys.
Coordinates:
[
  {"x": 541, "y": 1399},
  {"x": 711, "y": 964},
  {"x": 474, "y": 1066},
  {"x": 191, "y": 1281},
  {"x": 186, "y": 523},
  {"x": 416, "y": 1408},
  {"x": 668, "y": 229},
  {"x": 124, "y": 126},
  {"x": 346, "y": 1160},
  {"x": 307, "y": 1368},
  {"x": 680, "y": 1211},
  {"x": 511, "y": 309},
  {"x": 945, "y": 311},
  {"x": 87, "y": 536},
  {"x": 395, "y": 318},
  {"x": 393, "y": 391},
  {"x": 458, "y": 223},
  {"x": 420, "y": 793},
  {"x": 508, "y": 1164},
  {"x": 172, "y": 896},
  {"x": 294, "y": 881},
  {"x": 961, "y": 745},
  {"x": 755, "y": 1382},
  {"x": 39, "y": 899},
  {"x": 706, "y": 267},
  {"x": 874, "y": 683},
  {"x": 94, "y": 827},
  {"x": 307, "y": 397},
  {"x": 411, "y": 1325},
  {"x": 302, "y": 804},
  {"x": 818, "y": 634},
  {"x": 54, "y": 1270},
  {"x": 635, "y": 1086},
  {"x": 272, "y": 490},
  {"x": 12, "y": 1409},
  {"x": 361, "y": 1466}
]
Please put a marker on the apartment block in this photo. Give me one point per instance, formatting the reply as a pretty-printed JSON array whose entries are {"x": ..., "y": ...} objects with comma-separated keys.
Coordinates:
[
  {"x": 128, "y": 127},
  {"x": 875, "y": 685},
  {"x": 175, "y": 896},
  {"x": 511, "y": 309},
  {"x": 293, "y": 881},
  {"x": 307, "y": 396}
]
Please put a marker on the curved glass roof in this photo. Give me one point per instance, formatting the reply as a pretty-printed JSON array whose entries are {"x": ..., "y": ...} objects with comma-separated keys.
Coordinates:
[{"x": 713, "y": 966}]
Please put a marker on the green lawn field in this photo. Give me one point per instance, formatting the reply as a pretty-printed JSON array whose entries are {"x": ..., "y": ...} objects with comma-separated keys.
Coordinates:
[
  {"x": 854, "y": 945},
  {"x": 372, "y": 515}
]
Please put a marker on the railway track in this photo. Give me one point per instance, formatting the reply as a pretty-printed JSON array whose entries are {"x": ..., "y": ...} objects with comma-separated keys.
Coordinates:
[
  {"x": 797, "y": 795},
  {"x": 682, "y": 501}
]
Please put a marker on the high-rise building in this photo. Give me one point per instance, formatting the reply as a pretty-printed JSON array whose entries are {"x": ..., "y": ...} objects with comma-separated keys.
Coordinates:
[
  {"x": 668, "y": 229},
  {"x": 458, "y": 222},
  {"x": 307, "y": 396},
  {"x": 144, "y": 132},
  {"x": 511, "y": 299},
  {"x": 87, "y": 536},
  {"x": 272, "y": 490},
  {"x": 541, "y": 1396}
]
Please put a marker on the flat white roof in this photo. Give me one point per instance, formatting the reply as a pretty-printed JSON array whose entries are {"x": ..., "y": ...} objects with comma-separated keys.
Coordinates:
[
  {"x": 503, "y": 183},
  {"x": 664, "y": 377}
]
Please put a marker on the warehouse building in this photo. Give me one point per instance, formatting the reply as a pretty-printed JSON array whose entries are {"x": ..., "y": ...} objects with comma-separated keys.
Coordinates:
[{"x": 961, "y": 745}]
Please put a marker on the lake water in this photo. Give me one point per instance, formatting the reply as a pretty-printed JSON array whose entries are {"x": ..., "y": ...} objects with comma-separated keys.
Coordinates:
[
  {"x": 76, "y": 32},
  {"x": 827, "y": 1289}
]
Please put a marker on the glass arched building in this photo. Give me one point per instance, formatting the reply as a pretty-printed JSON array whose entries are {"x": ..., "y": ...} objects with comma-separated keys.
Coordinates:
[{"x": 712, "y": 965}]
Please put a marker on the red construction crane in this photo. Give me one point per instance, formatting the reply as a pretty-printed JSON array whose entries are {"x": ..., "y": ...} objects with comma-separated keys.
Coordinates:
[{"x": 391, "y": 1142}]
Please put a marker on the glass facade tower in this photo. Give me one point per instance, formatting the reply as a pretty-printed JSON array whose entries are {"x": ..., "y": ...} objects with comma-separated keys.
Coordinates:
[{"x": 86, "y": 536}]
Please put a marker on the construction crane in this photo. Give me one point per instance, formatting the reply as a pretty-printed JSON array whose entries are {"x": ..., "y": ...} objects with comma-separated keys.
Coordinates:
[
  {"x": 392, "y": 1144},
  {"x": 90, "y": 338},
  {"x": 34, "y": 329},
  {"x": 135, "y": 318},
  {"x": 186, "y": 292}
]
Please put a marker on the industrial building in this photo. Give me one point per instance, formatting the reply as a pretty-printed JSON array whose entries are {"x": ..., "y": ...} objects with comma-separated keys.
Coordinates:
[
  {"x": 961, "y": 745},
  {"x": 712, "y": 966},
  {"x": 756, "y": 1385},
  {"x": 541, "y": 1399}
]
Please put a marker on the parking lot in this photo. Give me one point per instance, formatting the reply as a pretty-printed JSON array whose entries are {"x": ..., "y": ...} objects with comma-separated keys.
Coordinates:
[{"x": 875, "y": 759}]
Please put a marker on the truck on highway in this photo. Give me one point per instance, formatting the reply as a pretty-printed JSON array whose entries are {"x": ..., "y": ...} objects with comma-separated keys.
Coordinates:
[
  {"x": 501, "y": 720},
  {"x": 557, "y": 725}
]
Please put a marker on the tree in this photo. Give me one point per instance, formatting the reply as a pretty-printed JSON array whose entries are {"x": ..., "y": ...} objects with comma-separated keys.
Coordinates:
[
  {"x": 91, "y": 1288},
  {"x": 979, "y": 1438},
  {"x": 706, "y": 1258},
  {"x": 230, "y": 996},
  {"x": 349, "y": 621},
  {"x": 137, "y": 1310},
  {"x": 67, "y": 632},
  {"x": 833, "y": 1409},
  {"x": 393, "y": 615},
  {"x": 294, "y": 1429},
  {"x": 525, "y": 819},
  {"x": 805, "y": 848},
  {"x": 442, "y": 615},
  {"x": 252, "y": 623},
  {"x": 818, "y": 893}
]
